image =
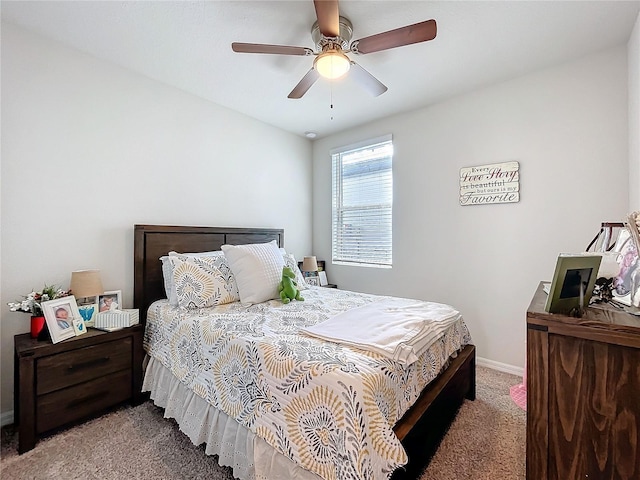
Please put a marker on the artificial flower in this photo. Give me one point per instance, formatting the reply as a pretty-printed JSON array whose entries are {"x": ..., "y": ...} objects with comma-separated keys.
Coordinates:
[{"x": 32, "y": 302}]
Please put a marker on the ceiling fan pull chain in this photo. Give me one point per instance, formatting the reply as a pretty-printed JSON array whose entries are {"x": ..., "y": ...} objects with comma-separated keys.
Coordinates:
[{"x": 331, "y": 98}]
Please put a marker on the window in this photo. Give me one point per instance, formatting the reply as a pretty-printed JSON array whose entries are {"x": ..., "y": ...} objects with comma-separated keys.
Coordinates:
[{"x": 362, "y": 203}]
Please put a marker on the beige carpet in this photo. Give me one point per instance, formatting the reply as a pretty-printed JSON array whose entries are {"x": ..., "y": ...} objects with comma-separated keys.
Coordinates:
[{"x": 485, "y": 442}]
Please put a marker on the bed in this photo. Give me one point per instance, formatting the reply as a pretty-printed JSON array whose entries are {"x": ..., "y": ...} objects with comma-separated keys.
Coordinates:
[{"x": 257, "y": 447}]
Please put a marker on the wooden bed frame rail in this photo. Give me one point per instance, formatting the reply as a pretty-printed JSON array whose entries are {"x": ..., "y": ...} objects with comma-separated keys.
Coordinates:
[{"x": 424, "y": 426}]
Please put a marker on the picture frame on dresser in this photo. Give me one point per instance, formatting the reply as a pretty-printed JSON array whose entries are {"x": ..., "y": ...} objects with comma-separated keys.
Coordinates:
[
  {"x": 60, "y": 315},
  {"x": 573, "y": 281}
]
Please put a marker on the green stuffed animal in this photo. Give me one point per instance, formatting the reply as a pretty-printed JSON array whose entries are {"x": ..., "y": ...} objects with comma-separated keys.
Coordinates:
[{"x": 288, "y": 287}]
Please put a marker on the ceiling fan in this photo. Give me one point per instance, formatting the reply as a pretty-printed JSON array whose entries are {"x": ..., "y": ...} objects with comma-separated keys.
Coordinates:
[{"x": 331, "y": 34}]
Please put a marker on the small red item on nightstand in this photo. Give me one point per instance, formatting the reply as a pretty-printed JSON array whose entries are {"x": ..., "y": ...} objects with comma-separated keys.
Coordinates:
[{"x": 37, "y": 324}]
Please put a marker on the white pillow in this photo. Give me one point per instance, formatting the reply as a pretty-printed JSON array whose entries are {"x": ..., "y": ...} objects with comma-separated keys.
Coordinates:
[
  {"x": 291, "y": 262},
  {"x": 167, "y": 271},
  {"x": 257, "y": 268},
  {"x": 199, "y": 282}
]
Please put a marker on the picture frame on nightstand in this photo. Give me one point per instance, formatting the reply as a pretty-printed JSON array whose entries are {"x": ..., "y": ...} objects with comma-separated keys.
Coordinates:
[
  {"x": 110, "y": 301},
  {"x": 60, "y": 315},
  {"x": 88, "y": 312},
  {"x": 79, "y": 326},
  {"x": 313, "y": 280}
]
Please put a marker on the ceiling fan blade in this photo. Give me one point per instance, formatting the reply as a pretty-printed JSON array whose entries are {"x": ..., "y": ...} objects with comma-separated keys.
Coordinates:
[
  {"x": 273, "y": 49},
  {"x": 328, "y": 17},
  {"x": 370, "y": 83},
  {"x": 305, "y": 84},
  {"x": 416, "y": 33}
]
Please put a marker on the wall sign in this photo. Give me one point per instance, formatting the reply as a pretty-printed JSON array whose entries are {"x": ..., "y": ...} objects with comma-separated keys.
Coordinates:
[{"x": 495, "y": 183}]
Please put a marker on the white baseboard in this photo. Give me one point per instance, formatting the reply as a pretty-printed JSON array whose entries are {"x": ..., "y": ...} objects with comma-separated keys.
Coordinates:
[
  {"x": 501, "y": 367},
  {"x": 6, "y": 418}
]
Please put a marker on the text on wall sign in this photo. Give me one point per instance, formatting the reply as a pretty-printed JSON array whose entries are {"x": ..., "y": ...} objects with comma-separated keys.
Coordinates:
[{"x": 485, "y": 184}]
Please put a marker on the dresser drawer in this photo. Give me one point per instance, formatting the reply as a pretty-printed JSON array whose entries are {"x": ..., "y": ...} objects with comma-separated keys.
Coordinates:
[
  {"x": 84, "y": 400},
  {"x": 63, "y": 370}
]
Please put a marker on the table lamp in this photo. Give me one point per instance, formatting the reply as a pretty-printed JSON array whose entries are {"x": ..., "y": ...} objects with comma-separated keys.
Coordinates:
[
  {"x": 310, "y": 264},
  {"x": 310, "y": 270},
  {"x": 86, "y": 285}
]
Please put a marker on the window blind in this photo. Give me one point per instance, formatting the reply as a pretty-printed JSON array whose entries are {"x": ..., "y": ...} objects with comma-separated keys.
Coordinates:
[{"x": 362, "y": 190}]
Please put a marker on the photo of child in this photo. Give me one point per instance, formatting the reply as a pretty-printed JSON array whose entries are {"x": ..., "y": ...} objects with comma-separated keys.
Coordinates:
[
  {"x": 62, "y": 317},
  {"x": 61, "y": 314},
  {"x": 110, "y": 301}
]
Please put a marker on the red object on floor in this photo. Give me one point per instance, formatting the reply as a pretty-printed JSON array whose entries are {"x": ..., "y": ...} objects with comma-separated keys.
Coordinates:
[
  {"x": 519, "y": 392},
  {"x": 519, "y": 395}
]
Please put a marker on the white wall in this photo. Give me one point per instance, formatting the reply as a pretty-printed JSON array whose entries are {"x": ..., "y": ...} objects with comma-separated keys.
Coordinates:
[
  {"x": 567, "y": 126},
  {"x": 633, "y": 55},
  {"x": 90, "y": 149}
]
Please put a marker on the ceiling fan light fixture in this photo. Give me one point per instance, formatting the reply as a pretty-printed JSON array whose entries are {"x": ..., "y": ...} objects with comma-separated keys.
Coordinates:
[
  {"x": 331, "y": 34},
  {"x": 332, "y": 64}
]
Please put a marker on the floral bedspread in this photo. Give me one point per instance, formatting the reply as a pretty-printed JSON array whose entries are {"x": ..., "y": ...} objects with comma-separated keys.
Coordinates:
[{"x": 329, "y": 408}]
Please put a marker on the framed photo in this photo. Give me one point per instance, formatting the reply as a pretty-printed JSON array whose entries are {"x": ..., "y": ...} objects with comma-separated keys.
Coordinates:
[
  {"x": 88, "y": 312},
  {"x": 110, "y": 301},
  {"x": 59, "y": 315},
  {"x": 313, "y": 281},
  {"x": 79, "y": 327},
  {"x": 323, "y": 278},
  {"x": 573, "y": 282}
]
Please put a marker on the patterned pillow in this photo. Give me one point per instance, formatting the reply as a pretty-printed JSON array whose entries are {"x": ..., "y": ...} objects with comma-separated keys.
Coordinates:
[
  {"x": 167, "y": 271},
  {"x": 203, "y": 281},
  {"x": 257, "y": 268},
  {"x": 291, "y": 262}
]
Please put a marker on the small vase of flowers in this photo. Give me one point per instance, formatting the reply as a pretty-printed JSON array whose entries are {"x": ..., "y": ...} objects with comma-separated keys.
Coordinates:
[{"x": 32, "y": 304}]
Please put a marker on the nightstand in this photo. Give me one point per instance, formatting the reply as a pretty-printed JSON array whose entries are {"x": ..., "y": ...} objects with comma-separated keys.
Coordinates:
[
  {"x": 60, "y": 384},
  {"x": 330, "y": 285}
]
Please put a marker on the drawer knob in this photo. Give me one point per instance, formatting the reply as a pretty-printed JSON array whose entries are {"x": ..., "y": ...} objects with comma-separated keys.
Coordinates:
[{"x": 90, "y": 363}]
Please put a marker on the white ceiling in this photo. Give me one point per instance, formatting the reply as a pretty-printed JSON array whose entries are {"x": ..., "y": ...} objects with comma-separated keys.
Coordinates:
[{"x": 187, "y": 44}]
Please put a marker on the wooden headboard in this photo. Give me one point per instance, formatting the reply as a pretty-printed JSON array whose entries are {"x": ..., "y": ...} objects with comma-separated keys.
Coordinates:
[{"x": 153, "y": 241}]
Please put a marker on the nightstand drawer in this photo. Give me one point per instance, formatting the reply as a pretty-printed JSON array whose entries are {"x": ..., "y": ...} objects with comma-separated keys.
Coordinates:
[
  {"x": 56, "y": 372},
  {"x": 74, "y": 403}
]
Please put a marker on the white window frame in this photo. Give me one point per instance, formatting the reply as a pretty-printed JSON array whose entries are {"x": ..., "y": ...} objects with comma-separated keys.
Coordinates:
[{"x": 340, "y": 251}]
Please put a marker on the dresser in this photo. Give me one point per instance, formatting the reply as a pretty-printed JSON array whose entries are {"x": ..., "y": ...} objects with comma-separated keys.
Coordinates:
[
  {"x": 63, "y": 383},
  {"x": 583, "y": 394}
]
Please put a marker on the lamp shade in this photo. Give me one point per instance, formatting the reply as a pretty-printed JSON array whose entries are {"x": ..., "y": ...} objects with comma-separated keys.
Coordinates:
[
  {"x": 86, "y": 283},
  {"x": 310, "y": 264}
]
